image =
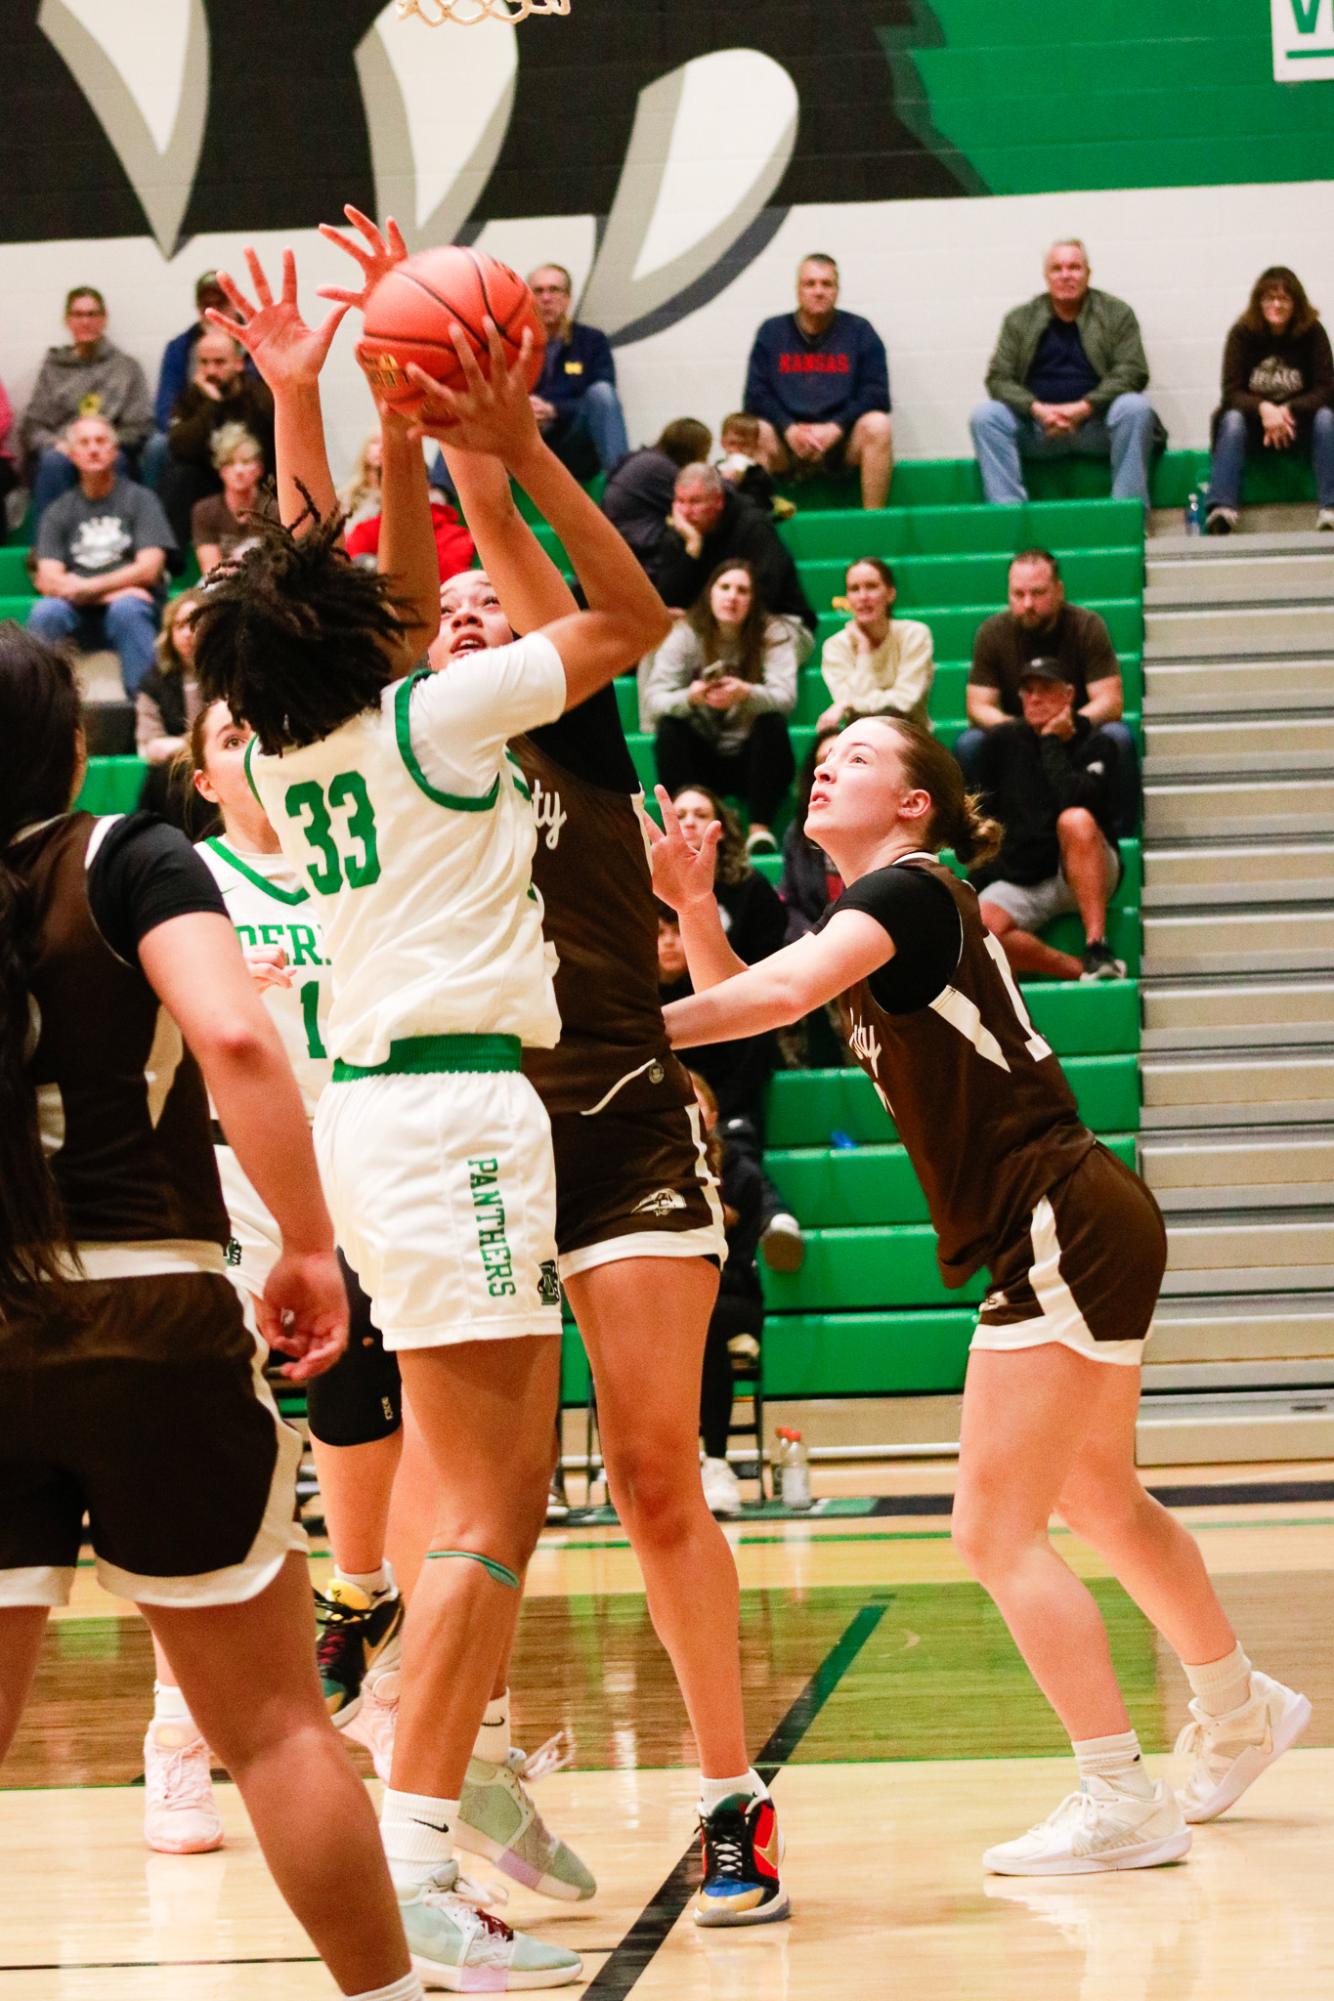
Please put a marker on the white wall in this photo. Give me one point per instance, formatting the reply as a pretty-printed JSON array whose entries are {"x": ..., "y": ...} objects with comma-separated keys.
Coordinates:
[{"x": 935, "y": 277}]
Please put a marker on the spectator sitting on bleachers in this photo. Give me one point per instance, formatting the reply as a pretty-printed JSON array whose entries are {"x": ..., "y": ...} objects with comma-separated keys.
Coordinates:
[
  {"x": 575, "y": 400},
  {"x": 454, "y": 546},
  {"x": 737, "y": 1321},
  {"x": 360, "y": 497},
  {"x": 1278, "y": 395},
  {"x": 165, "y": 706},
  {"x": 878, "y": 665},
  {"x": 638, "y": 497},
  {"x": 1067, "y": 375},
  {"x": 742, "y": 465},
  {"x": 818, "y": 380},
  {"x": 710, "y": 524},
  {"x": 9, "y": 472},
  {"x": 718, "y": 693},
  {"x": 738, "y": 1071},
  {"x": 220, "y": 393},
  {"x": 178, "y": 355},
  {"x": 222, "y": 524},
  {"x": 1039, "y": 622},
  {"x": 89, "y": 378},
  {"x": 101, "y": 549},
  {"x": 1050, "y": 778}
]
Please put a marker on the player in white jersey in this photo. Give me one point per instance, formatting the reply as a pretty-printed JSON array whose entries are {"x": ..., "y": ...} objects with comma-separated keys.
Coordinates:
[{"x": 393, "y": 797}]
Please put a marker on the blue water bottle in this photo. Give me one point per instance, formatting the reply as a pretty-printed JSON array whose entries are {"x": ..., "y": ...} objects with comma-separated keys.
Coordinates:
[{"x": 1195, "y": 514}]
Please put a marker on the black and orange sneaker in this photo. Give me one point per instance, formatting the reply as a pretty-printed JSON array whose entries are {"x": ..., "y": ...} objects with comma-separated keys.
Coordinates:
[
  {"x": 742, "y": 1850},
  {"x": 357, "y": 1635}
]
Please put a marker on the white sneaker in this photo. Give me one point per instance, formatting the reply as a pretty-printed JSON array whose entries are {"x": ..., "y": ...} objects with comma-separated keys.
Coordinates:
[
  {"x": 1324, "y": 520},
  {"x": 782, "y": 1243},
  {"x": 1230, "y": 1752},
  {"x": 722, "y": 1490},
  {"x": 376, "y": 1719},
  {"x": 460, "y": 1947},
  {"x": 497, "y": 1819},
  {"x": 180, "y": 1813},
  {"x": 1099, "y": 1828}
]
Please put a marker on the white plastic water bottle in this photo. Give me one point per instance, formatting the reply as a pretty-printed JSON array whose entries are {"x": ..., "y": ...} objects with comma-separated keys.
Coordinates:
[{"x": 794, "y": 1470}]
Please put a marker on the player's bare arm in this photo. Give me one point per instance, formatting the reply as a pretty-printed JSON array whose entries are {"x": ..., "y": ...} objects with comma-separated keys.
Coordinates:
[
  {"x": 683, "y": 876},
  {"x": 783, "y": 987},
  {"x": 194, "y": 965},
  {"x": 289, "y": 356},
  {"x": 527, "y": 582},
  {"x": 407, "y": 553},
  {"x": 493, "y": 415}
]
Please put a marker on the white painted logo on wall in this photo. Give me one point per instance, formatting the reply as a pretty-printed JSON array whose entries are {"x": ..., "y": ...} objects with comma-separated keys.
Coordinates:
[{"x": 1303, "y": 32}]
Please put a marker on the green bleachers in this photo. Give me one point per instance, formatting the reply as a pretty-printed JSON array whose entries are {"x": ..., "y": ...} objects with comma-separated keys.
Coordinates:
[
  {"x": 111, "y": 785},
  {"x": 807, "y": 1107}
]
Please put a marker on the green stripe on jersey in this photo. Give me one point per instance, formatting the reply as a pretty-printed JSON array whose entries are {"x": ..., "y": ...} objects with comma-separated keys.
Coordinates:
[
  {"x": 253, "y": 875},
  {"x": 428, "y": 1055},
  {"x": 403, "y": 731}
]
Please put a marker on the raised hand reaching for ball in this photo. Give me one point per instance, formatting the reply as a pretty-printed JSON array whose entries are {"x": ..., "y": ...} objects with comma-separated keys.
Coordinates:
[
  {"x": 288, "y": 353},
  {"x": 477, "y": 411}
]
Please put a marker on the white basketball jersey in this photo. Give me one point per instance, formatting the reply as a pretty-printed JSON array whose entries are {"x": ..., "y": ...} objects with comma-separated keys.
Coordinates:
[
  {"x": 415, "y": 834},
  {"x": 268, "y": 905}
]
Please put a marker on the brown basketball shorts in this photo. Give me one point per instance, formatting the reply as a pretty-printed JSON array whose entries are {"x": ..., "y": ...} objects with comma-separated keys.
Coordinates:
[
  {"x": 1086, "y": 1273},
  {"x": 148, "y": 1415},
  {"x": 633, "y": 1185}
]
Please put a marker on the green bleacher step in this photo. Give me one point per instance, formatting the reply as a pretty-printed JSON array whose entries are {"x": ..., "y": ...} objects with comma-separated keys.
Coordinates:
[
  {"x": 843, "y": 534},
  {"x": 865, "y": 1187},
  {"x": 111, "y": 785},
  {"x": 807, "y": 1107},
  {"x": 894, "y": 1266},
  {"x": 866, "y": 1354}
]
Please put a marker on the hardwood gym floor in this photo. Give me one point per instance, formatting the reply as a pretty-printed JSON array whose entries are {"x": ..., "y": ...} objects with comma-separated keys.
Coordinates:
[{"x": 904, "y": 1733}]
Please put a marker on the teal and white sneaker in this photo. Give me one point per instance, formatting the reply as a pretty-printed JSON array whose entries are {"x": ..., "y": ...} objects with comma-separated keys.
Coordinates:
[
  {"x": 497, "y": 1820},
  {"x": 457, "y": 1946}
]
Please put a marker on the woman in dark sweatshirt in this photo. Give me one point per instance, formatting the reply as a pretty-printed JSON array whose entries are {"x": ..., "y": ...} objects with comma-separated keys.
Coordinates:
[{"x": 1278, "y": 395}]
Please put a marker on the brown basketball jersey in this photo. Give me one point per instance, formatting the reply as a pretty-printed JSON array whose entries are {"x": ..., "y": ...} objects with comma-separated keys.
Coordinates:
[
  {"x": 592, "y": 871},
  {"x": 124, "y": 1113},
  {"x": 981, "y": 1104}
]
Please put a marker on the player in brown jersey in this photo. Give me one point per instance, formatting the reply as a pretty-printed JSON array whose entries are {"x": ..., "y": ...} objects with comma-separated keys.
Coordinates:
[
  {"x": 1075, "y": 1247},
  {"x": 639, "y": 1225},
  {"x": 122, "y": 1342}
]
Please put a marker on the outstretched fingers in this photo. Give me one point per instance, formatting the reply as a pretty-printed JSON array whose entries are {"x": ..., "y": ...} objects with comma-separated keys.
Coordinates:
[{"x": 263, "y": 290}]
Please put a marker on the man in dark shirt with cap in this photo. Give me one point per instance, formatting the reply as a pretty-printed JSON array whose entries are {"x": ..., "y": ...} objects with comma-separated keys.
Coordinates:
[{"x": 1049, "y": 776}]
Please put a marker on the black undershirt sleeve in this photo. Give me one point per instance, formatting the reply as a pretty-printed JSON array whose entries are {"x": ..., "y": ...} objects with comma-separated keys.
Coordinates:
[
  {"x": 920, "y": 916},
  {"x": 589, "y": 743},
  {"x": 145, "y": 873}
]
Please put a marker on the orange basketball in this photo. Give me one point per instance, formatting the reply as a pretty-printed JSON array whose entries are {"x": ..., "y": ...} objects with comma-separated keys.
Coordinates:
[{"x": 410, "y": 312}]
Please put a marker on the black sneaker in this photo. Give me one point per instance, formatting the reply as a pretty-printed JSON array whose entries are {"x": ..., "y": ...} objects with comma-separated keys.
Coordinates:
[
  {"x": 1100, "y": 963},
  {"x": 357, "y": 1634},
  {"x": 742, "y": 1851}
]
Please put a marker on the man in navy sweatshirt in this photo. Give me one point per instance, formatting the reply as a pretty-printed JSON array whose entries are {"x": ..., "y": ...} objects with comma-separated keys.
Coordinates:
[
  {"x": 818, "y": 381},
  {"x": 575, "y": 401}
]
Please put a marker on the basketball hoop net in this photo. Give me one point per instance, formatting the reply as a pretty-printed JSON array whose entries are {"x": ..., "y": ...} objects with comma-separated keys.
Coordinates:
[{"x": 467, "y": 13}]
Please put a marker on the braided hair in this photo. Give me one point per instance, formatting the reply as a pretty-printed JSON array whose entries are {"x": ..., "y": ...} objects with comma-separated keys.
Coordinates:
[{"x": 293, "y": 636}]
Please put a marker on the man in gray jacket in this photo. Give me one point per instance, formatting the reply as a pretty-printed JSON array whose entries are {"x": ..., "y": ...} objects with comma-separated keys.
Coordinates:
[
  {"x": 89, "y": 378},
  {"x": 1067, "y": 375}
]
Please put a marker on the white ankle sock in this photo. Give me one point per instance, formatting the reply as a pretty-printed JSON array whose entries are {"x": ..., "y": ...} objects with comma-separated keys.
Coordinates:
[
  {"x": 1115, "y": 1760},
  {"x": 170, "y": 1706},
  {"x": 418, "y": 1835},
  {"x": 409, "y": 1988},
  {"x": 712, "y": 1792},
  {"x": 1221, "y": 1686},
  {"x": 375, "y": 1583},
  {"x": 493, "y": 1738}
]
